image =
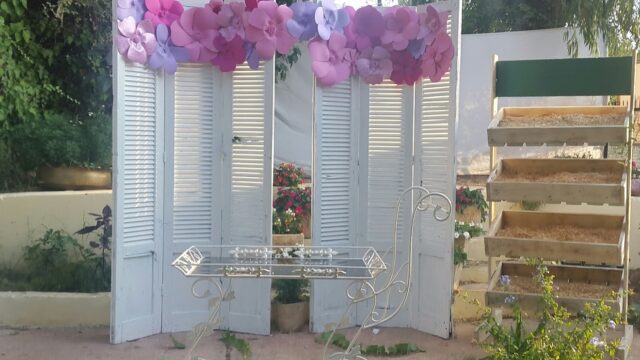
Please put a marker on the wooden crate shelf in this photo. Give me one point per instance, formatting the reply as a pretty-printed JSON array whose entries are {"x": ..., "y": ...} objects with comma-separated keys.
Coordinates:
[
  {"x": 516, "y": 126},
  {"x": 528, "y": 179},
  {"x": 518, "y": 234},
  {"x": 585, "y": 276}
]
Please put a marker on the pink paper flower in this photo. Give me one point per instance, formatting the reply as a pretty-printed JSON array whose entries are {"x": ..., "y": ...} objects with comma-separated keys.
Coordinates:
[
  {"x": 401, "y": 26},
  {"x": 135, "y": 43},
  {"x": 163, "y": 11},
  {"x": 196, "y": 30},
  {"x": 431, "y": 23},
  {"x": 406, "y": 68},
  {"x": 230, "y": 21},
  {"x": 230, "y": 53},
  {"x": 368, "y": 27},
  {"x": 437, "y": 59},
  {"x": 266, "y": 26},
  {"x": 374, "y": 65},
  {"x": 332, "y": 60},
  {"x": 214, "y": 5}
]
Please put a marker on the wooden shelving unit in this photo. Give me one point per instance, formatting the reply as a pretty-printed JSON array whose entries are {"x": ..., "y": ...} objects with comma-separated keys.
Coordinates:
[{"x": 599, "y": 243}]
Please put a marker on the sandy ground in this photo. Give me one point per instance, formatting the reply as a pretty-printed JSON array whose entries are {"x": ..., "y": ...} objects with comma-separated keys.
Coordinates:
[{"x": 71, "y": 344}]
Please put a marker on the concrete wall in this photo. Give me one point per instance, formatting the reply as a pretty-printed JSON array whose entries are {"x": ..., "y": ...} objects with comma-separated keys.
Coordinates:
[{"x": 24, "y": 217}]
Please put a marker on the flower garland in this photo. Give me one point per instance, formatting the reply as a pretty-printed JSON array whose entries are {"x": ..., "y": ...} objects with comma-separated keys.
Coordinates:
[{"x": 397, "y": 43}]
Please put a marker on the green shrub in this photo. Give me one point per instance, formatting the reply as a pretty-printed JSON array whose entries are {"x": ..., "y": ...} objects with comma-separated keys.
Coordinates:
[{"x": 289, "y": 291}]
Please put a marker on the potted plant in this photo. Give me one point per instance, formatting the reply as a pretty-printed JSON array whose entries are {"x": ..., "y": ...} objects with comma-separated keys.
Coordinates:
[
  {"x": 286, "y": 228},
  {"x": 635, "y": 180},
  {"x": 290, "y": 192},
  {"x": 471, "y": 205},
  {"x": 66, "y": 154},
  {"x": 291, "y": 304}
]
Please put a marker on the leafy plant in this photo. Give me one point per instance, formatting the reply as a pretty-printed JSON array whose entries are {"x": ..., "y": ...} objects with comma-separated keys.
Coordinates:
[
  {"x": 290, "y": 291},
  {"x": 467, "y": 230},
  {"x": 230, "y": 341},
  {"x": 558, "y": 335},
  {"x": 285, "y": 62},
  {"x": 296, "y": 199},
  {"x": 287, "y": 174},
  {"x": 286, "y": 222},
  {"x": 460, "y": 257},
  {"x": 342, "y": 342},
  {"x": 466, "y": 197},
  {"x": 103, "y": 221},
  {"x": 531, "y": 205}
]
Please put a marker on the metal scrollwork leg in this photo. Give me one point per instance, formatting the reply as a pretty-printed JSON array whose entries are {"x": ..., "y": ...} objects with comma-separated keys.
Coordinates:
[
  {"x": 206, "y": 328},
  {"x": 398, "y": 281}
]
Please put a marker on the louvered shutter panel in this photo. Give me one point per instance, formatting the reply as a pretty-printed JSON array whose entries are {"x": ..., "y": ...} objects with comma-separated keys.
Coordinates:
[
  {"x": 249, "y": 197},
  {"x": 386, "y": 171},
  {"x": 192, "y": 186},
  {"x": 137, "y": 185},
  {"x": 335, "y": 194},
  {"x": 436, "y": 117}
]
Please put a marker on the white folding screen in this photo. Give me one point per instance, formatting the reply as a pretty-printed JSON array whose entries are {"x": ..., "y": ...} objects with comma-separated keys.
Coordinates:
[{"x": 436, "y": 119}]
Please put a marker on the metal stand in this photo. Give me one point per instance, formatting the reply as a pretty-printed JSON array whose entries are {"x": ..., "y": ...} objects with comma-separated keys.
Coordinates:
[{"x": 363, "y": 265}]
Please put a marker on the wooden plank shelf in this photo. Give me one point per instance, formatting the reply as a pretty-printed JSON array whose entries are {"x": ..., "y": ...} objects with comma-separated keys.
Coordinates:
[
  {"x": 558, "y": 181},
  {"x": 536, "y": 126},
  {"x": 536, "y": 234},
  {"x": 602, "y": 281}
]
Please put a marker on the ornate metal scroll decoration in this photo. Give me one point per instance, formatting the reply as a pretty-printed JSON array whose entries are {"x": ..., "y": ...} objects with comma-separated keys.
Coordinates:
[{"x": 398, "y": 280}]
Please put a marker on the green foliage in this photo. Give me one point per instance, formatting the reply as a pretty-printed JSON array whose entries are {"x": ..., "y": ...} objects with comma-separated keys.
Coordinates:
[
  {"x": 176, "y": 344},
  {"x": 289, "y": 291},
  {"x": 285, "y": 62},
  {"x": 531, "y": 205},
  {"x": 460, "y": 257},
  {"x": 466, "y": 197},
  {"x": 286, "y": 222},
  {"x": 472, "y": 229},
  {"x": 558, "y": 335},
  {"x": 400, "y": 349},
  {"x": 486, "y": 16},
  {"x": 241, "y": 345}
]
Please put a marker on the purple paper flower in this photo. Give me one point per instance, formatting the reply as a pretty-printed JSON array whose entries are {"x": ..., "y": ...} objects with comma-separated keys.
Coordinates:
[
  {"x": 135, "y": 43},
  {"x": 417, "y": 47},
  {"x": 401, "y": 26},
  {"x": 437, "y": 59},
  {"x": 332, "y": 60},
  {"x": 330, "y": 19},
  {"x": 230, "y": 21},
  {"x": 230, "y": 53},
  {"x": 505, "y": 280},
  {"x": 374, "y": 65},
  {"x": 509, "y": 300},
  {"x": 431, "y": 24},
  {"x": 196, "y": 30},
  {"x": 163, "y": 11},
  {"x": 368, "y": 27},
  {"x": 167, "y": 55},
  {"x": 302, "y": 25},
  {"x": 133, "y": 8},
  {"x": 252, "y": 57}
]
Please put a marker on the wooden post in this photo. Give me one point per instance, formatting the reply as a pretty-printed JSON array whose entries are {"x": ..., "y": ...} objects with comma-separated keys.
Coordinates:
[
  {"x": 625, "y": 303},
  {"x": 492, "y": 149}
]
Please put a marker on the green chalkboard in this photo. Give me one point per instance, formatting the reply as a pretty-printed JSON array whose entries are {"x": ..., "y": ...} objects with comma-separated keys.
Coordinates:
[{"x": 564, "y": 77}]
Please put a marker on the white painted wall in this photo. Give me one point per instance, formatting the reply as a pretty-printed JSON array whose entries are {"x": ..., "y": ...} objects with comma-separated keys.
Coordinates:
[{"x": 472, "y": 151}]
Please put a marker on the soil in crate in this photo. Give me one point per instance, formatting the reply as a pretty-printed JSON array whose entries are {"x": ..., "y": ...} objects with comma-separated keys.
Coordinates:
[
  {"x": 562, "y": 288},
  {"x": 552, "y": 120},
  {"x": 562, "y": 233},
  {"x": 565, "y": 177}
]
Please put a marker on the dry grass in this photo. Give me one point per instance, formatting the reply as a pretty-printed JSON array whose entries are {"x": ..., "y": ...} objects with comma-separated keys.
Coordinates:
[
  {"x": 562, "y": 233},
  {"x": 566, "y": 177},
  {"x": 555, "y": 120},
  {"x": 564, "y": 288}
]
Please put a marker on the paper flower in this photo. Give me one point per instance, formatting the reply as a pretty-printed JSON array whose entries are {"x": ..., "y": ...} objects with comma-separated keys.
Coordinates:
[
  {"x": 252, "y": 57},
  {"x": 214, "y": 5},
  {"x": 437, "y": 59},
  {"x": 133, "y": 8},
  {"x": 230, "y": 53},
  {"x": 331, "y": 60},
  {"x": 163, "y": 11},
  {"x": 196, "y": 30},
  {"x": 349, "y": 29},
  {"x": 368, "y": 27},
  {"x": 401, "y": 26},
  {"x": 417, "y": 47},
  {"x": 303, "y": 24},
  {"x": 230, "y": 21},
  {"x": 330, "y": 19},
  {"x": 431, "y": 23},
  {"x": 406, "y": 68},
  {"x": 374, "y": 65},
  {"x": 135, "y": 43},
  {"x": 266, "y": 26},
  {"x": 167, "y": 55}
]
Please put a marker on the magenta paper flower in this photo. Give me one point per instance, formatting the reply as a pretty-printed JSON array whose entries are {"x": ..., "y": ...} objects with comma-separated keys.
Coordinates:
[
  {"x": 368, "y": 27},
  {"x": 437, "y": 59},
  {"x": 349, "y": 29},
  {"x": 374, "y": 65},
  {"x": 166, "y": 55},
  {"x": 431, "y": 23},
  {"x": 135, "y": 43},
  {"x": 230, "y": 21},
  {"x": 163, "y": 11},
  {"x": 215, "y": 5},
  {"x": 330, "y": 19},
  {"x": 332, "y": 60},
  {"x": 133, "y": 8},
  {"x": 230, "y": 53},
  {"x": 303, "y": 25},
  {"x": 266, "y": 26},
  {"x": 406, "y": 68},
  {"x": 196, "y": 30},
  {"x": 401, "y": 26}
]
